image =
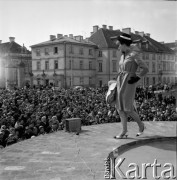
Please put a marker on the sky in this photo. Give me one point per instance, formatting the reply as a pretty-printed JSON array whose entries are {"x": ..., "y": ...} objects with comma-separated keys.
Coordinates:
[{"x": 33, "y": 21}]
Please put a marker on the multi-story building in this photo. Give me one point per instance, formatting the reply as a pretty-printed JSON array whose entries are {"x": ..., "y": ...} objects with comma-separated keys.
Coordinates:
[
  {"x": 173, "y": 46},
  {"x": 159, "y": 58},
  {"x": 64, "y": 61},
  {"x": 15, "y": 65}
]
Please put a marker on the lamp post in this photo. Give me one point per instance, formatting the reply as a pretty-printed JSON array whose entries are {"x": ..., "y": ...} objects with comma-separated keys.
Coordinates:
[
  {"x": 54, "y": 76},
  {"x": 43, "y": 76}
]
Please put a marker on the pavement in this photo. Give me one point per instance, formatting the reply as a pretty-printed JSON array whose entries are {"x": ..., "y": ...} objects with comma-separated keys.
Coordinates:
[{"x": 67, "y": 156}]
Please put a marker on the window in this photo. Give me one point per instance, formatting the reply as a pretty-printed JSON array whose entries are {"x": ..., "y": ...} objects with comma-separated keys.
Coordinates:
[
  {"x": 38, "y": 81},
  {"x": 173, "y": 66},
  {"x": 46, "y": 65},
  {"x": 147, "y": 81},
  {"x": 143, "y": 56},
  {"x": 70, "y": 64},
  {"x": 56, "y": 64},
  {"x": 38, "y": 65},
  {"x": 168, "y": 66},
  {"x": 90, "y": 80},
  {"x": 164, "y": 57},
  {"x": 159, "y": 79},
  {"x": 168, "y": 79},
  {"x": 81, "y": 64},
  {"x": 100, "y": 83},
  {"x": 159, "y": 66},
  {"x": 81, "y": 80},
  {"x": 159, "y": 57},
  {"x": 114, "y": 66},
  {"x": 147, "y": 56},
  {"x": 164, "y": 66},
  {"x": 71, "y": 50},
  {"x": 55, "y": 50},
  {"x": 90, "y": 64},
  {"x": 46, "y": 51},
  {"x": 90, "y": 52},
  {"x": 164, "y": 79},
  {"x": 153, "y": 56},
  {"x": 100, "y": 54},
  {"x": 70, "y": 81},
  {"x": 114, "y": 53},
  {"x": 153, "y": 80},
  {"x": 38, "y": 52},
  {"x": 81, "y": 51},
  {"x": 100, "y": 68},
  {"x": 153, "y": 67}
]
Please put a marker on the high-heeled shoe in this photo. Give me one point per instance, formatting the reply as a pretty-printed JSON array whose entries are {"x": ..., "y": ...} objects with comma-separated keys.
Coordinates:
[
  {"x": 121, "y": 136},
  {"x": 142, "y": 131}
]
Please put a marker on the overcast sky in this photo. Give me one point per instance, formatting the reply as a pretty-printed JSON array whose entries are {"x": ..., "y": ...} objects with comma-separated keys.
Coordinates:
[{"x": 32, "y": 21}]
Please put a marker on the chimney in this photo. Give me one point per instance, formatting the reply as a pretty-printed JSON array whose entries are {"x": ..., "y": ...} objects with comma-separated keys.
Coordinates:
[
  {"x": 126, "y": 30},
  {"x": 95, "y": 28},
  {"x": 87, "y": 39},
  {"x": 147, "y": 34},
  {"x": 104, "y": 26},
  {"x": 52, "y": 37},
  {"x": 65, "y": 35},
  {"x": 11, "y": 39},
  {"x": 59, "y": 36},
  {"x": 71, "y": 36},
  {"x": 91, "y": 33},
  {"x": 141, "y": 33},
  {"x": 78, "y": 38},
  {"x": 0, "y": 41},
  {"x": 137, "y": 32},
  {"x": 110, "y": 27},
  {"x": 162, "y": 42}
]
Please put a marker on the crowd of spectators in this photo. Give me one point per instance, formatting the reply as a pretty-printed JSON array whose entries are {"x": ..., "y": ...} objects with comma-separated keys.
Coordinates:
[{"x": 29, "y": 112}]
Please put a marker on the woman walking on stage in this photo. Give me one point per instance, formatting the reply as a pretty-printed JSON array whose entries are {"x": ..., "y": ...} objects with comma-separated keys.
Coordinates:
[{"x": 127, "y": 82}]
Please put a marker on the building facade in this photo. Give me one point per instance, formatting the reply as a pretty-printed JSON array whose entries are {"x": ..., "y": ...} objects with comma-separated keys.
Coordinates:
[
  {"x": 64, "y": 61},
  {"x": 159, "y": 58},
  {"x": 15, "y": 65},
  {"x": 173, "y": 46}
]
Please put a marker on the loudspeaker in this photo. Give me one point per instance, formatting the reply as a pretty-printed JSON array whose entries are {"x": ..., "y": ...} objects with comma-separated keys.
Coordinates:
[{"x": 73, "y": 125}]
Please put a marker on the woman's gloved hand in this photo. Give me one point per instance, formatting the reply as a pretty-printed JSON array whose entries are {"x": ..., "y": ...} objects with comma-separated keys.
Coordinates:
[{"x": 133, "y": 80}]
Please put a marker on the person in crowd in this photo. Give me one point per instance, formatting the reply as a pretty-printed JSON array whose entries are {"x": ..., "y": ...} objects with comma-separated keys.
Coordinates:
[{"x": 28, "y": 109}]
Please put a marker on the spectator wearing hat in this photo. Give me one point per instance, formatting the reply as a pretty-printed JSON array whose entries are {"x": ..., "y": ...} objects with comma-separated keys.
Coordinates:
[
  {"x": 127, "y": 81},
  {"x": 12, "y": 138},
  {"x": 41, "y": 130}
]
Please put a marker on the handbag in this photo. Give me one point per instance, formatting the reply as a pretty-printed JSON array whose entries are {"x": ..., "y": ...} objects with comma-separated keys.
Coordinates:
[{"x": 111, "y": 93}]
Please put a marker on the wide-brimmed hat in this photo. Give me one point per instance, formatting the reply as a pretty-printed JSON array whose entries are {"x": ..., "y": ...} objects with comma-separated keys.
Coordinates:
[{"x": 123, "y": 38}]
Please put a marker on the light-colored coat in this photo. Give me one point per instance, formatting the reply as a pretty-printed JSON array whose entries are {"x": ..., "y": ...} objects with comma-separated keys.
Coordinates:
[{"x": 126, "y": 92}]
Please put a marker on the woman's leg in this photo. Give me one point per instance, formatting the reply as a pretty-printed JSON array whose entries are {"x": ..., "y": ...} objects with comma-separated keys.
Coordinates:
[
  {"x": 123, "y": 117},
  {"x": 136, "y": 118}
]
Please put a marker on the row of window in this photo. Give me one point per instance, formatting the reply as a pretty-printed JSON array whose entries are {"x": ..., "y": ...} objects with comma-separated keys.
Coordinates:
[
  {"x": 169, "y": 66},
  {"x": 145, "y": 56},
  {"x": 166, "y": 66},
  {"x": 159, "y": 79},
  {"x": 56, "y": 51},
  {"x": 158, "y": 57},
  {"x": 38, "y": 65}
]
